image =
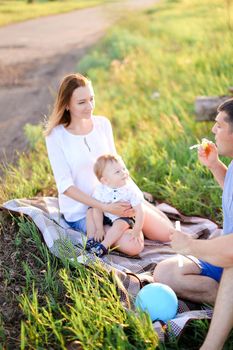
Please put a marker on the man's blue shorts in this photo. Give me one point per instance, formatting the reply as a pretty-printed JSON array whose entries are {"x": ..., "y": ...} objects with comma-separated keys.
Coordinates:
[{"x": 210, "y": 270}]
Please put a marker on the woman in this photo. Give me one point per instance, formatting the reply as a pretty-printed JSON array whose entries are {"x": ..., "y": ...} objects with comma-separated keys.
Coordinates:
[{"x": 75, "y": 138}]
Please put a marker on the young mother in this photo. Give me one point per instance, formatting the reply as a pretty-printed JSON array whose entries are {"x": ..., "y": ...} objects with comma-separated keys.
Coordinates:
[{"x": 75, "y": 138}]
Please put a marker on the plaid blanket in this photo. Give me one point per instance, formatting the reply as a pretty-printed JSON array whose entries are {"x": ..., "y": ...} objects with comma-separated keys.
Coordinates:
[{"x": 131, "y": 273}]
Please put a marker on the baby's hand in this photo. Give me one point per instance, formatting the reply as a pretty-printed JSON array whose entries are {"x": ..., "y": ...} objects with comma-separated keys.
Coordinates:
[
  {"x": 99, "y": 234},
  {"x": 134, "y": 234}
]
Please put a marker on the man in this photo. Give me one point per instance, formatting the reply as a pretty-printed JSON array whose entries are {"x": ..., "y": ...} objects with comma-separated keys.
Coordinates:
[{"x": 207, "y": 271}]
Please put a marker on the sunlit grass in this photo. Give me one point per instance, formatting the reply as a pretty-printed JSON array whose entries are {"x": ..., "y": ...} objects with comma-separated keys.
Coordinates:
[
  {"x": 32, "y": 175},
  {"x": 19, "y": 10}
]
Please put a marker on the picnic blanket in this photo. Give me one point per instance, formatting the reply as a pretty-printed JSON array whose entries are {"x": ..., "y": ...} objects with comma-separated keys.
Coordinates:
[{"x": 132, "y": 272}]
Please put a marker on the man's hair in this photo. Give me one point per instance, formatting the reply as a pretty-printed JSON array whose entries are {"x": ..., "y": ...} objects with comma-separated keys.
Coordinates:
[
  {"x": 101, "y": 163},
  {"x": 227, "y": 107}
]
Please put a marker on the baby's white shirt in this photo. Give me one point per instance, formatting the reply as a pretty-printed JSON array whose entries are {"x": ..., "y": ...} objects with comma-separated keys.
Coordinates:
[{"x": 128, "y": 193}]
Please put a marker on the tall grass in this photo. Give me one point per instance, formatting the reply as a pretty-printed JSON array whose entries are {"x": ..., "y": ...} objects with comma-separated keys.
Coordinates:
[
  {"x": 146, "y": 74},
  {"x": 64, "y": 304},
  {"x": 32, "y": 176},
  {"x": 12, "y": 11}
]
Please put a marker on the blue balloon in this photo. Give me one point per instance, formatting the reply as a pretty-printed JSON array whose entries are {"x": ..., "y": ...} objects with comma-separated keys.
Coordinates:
[{"x": 159, "y": 300}]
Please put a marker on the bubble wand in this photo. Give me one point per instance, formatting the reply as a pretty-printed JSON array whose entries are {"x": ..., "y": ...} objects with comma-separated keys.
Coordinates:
[
  {"x": 180, "y": 257},
  {"x": 205, "y": 144}
]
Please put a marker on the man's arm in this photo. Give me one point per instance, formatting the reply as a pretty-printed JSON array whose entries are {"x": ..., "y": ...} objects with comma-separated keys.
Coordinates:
[
  {"x": 217, "y": 251},
  {"x": 219, "y": 172}
]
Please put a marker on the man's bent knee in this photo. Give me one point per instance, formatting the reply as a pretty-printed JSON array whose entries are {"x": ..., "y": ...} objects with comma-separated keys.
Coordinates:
[
  {"x": 169, "y": 272},
  {"x": 164, "y": 272}
]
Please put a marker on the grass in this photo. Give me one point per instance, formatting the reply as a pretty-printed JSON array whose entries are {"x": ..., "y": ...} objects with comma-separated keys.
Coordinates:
[
  {"x": 12, "y": 11},
  {"x": 146, "y": 73},
  {"x": 65, "y": 304}
]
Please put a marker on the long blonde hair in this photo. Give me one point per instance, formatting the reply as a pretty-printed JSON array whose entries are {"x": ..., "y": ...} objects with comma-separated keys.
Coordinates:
[{"x": 60, "y": 115}]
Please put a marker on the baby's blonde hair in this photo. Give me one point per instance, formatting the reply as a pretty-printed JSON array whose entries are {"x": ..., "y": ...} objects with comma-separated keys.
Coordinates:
[{"x": 101, "y": 163}]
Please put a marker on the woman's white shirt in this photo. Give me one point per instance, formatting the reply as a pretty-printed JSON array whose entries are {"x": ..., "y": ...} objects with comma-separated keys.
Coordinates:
[{"x": 72, "y": 158}]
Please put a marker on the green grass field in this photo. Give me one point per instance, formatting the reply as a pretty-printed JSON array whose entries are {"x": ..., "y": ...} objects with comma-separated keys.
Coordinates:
[
  {"x": 146, "y": 73},
  {"x": 12, "y": 11}
]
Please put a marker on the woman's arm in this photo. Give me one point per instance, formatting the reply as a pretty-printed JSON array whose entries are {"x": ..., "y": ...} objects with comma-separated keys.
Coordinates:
[
  {"x": 118, "y": 208},
  {"x": 58, "y": 161}
]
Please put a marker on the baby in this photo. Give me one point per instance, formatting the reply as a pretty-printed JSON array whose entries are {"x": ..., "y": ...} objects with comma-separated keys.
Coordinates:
[{"x": 115, "y": 186}]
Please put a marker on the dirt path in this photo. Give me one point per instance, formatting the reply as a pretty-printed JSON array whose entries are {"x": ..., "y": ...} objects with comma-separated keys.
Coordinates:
[{"x": 36, "y": 54}]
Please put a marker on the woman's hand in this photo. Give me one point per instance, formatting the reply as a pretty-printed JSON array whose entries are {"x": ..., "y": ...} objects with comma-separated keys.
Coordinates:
[
  {"x": 208, "y": 158},
  {"x": 122, "y": 209}
]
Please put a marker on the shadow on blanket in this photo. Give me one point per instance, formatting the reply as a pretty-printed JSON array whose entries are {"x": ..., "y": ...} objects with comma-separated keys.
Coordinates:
[{"x": 131, "y": 273}]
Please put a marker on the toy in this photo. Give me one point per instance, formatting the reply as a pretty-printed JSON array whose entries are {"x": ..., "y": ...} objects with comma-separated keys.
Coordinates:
[
  {"x": 180, "y": 257},
  {"x": 159, "y": 300},
  {"x": 205, "y": 144}
]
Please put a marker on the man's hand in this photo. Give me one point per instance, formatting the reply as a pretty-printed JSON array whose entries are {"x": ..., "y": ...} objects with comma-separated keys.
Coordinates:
[
  {"x": 180, "y": 242},
  {"x": 210, "y": 158}
]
